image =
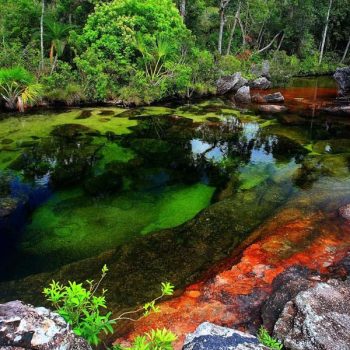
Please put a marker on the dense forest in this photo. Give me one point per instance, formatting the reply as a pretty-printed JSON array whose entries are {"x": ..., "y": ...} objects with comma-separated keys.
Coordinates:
[{"x": 140, "y": 51}]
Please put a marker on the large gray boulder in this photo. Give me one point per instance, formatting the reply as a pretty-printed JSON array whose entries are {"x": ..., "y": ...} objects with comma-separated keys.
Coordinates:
[
  {"x": 262, "y": 69},
  {"x": 243, "y": 95},
  {"x": 25, "y": 327},
  {"x": 342, "y": 76},
  {"x": 261, "y": 83},
  {"x": 318, "y": 318},
  {"x": 209, "y": 336},
  {"x": 230, "y": 83}
]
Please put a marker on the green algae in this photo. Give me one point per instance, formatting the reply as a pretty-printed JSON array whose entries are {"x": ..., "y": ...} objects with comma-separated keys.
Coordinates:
[
  {"x": 191, "y": 201},
  {"x": 109, "y": 153},
  {"x": 73, "y": 226}
]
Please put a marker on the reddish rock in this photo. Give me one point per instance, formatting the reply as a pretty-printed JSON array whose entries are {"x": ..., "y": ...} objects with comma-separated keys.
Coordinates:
[{"x": 257, "y": 98}]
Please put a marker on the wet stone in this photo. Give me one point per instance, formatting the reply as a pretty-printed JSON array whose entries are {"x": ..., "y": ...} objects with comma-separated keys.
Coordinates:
[
  {"x": 344, "y": 212},
  {"x": 8, "y": 205}
]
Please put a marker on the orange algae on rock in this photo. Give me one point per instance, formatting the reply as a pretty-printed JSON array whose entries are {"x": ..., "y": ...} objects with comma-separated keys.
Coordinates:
[{"x": 233, "y": 296}]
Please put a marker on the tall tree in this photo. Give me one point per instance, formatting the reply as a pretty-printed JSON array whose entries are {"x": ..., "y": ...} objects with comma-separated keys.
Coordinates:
[
  {"x": 324, "y": 36},
  {"x": 42, "y": 33},
  {"x": 222, "y": 8},
  {"x": 183, "y": 8}
]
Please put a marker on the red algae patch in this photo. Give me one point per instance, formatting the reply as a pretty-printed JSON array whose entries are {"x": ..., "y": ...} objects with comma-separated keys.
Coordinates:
[{"x": 233, "y": 297}]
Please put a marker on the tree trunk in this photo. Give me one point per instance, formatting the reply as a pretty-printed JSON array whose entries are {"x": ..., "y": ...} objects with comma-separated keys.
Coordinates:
[
  {"x": 242, "y": 30},
  {"x": 346, "y": 51},
  {"x": 325, "y": 31},
  {"x": 233, "y": 29},
  {"x": 221, "y": 30},
  {"x": 42, "y": 33},
  {"x": 54, "y": 64},
  {"x": 20, "y": 104},
  {"x": 268, "y": 46},
  {"x": 260, "y": 35},
  {"x": 223, "y": 5},
  {"x": 281, "y": 41},
  {"x": 183, "y": 8}
]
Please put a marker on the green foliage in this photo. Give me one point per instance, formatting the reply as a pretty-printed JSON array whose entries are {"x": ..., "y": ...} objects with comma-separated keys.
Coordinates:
[
  {"x": 229, "y": 64},
  {"x": 18, "y": 87},
  {"x": 143, "y": 51},
  {"x": 63, "y": 85},
  {"x": 85, "y": 310},
  {"x": 265, "y": 338},
  {"x": 283, "y": 67},
  {"x": 127, "y": 36},
  {"x": 81, "y": 307},
  {"x": 159, "y": 339}
]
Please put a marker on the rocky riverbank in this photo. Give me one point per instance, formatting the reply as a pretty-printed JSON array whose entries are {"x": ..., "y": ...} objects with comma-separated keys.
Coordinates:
[{"x": 295, "y": 250}]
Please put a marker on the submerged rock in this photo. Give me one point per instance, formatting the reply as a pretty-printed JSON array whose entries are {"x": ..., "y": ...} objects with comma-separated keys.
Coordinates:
[
  {"x": 272, "y": 108},
  {"x": 230, "y": 83},
  {"x": 318, "y": 318},
  {"x": 276, "y": 97},
  {"x": 337, "y": 110},
  {"x": 342, "y": 76},
  {"x": 209, "y": 336},
  {"x": 85, "y": 114},
  {"x": 261, "y": 83},
  {"x": 8, "y": 205},
  {"x": 243, "y": 95},
  {"x": 25, "y": 327}
]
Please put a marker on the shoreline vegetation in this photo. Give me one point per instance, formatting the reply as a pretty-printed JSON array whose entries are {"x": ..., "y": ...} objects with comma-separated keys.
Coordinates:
[{"x": 136, "y": 52}]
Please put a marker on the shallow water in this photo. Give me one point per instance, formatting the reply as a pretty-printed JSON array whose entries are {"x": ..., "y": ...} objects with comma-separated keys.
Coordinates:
[{"x": 84, "y": 181}]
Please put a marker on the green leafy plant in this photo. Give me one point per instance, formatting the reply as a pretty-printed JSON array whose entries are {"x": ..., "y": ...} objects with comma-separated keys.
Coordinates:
[
  {"x": 18, "y": 88},
  {"x": 266, "y": 339},
  {"x": 159, "y": 339},
  {"x": 81, "y": 307},
  {"x": 85, "y": 310}
]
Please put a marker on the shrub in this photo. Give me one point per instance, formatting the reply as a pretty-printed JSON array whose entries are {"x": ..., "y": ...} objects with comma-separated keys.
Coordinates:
[
  {"x": 229, "y": 65},
  {"x": 63, "y": 85},
  {"x": 82, "y": 307},
  {"x": 283, "y": 67},
  {"x": 18, "y": 88}
]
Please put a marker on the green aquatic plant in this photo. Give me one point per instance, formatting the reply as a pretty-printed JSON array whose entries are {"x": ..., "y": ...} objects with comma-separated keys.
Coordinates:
[
  {"x": 82, "y": 307},
  {"x": 266, "y": 339}
]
